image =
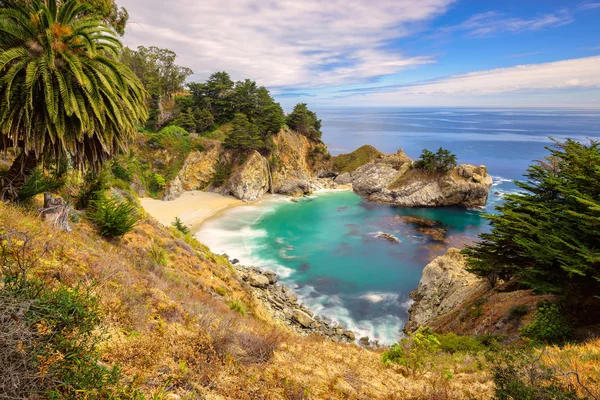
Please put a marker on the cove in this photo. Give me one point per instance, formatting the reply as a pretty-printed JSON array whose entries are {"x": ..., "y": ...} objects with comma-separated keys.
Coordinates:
[{"x": 326, "y": 248}]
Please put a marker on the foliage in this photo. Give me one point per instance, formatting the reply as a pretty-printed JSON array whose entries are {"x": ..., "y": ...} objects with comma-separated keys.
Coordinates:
[
  {"x": 110, "y": 13},
  {"x": 38, "y": 183},
  {"x": 243, "y": 135},
  {"x": 237, "y": 306},
  {"x": 352, "y": 161},
  {"x": 50, "y": 336},
  {"x": 518, "y": 375},
  {"x": 441, "y": 161},
  {"x": 547, "y": 236},
  {"x": 180, "y": 226},
  {"x": 93, "y": 187},
  {"x": 452, "y": 343},
  {"x": 550, "y": 325},
  {"x": 113, "y": 217},
  {"x": 216, "y": 95},
  {"x": 157, "y": 254},
  {"x": 173, "y": 130},
  {"x": 304, "y": 121},
  {"x": 65, "y": 96},
  {"x": 156, "y": 183},
  {"x": 222, "y": 173},
  {"x": 157, "y": 69},
  {"x": 120, "y": 172},
  {"x": 413, "y": 352}
]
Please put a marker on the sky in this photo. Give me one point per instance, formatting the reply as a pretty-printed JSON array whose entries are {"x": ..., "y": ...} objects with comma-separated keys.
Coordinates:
[{"x": 424, "y": 53}]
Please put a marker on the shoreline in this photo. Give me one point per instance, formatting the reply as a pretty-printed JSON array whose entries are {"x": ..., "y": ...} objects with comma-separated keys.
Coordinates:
[{"x": 193, "y": 208}]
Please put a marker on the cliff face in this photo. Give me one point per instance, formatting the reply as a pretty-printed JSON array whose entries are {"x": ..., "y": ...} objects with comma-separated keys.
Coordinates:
[
  {"x": 444, "y": 286},
  {"x": 292, "y": 165},
  {"x": 390, "y": 179}
]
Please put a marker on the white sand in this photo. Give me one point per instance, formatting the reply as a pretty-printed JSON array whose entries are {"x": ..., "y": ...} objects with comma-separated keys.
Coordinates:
[{"x": 193, "y": 208}]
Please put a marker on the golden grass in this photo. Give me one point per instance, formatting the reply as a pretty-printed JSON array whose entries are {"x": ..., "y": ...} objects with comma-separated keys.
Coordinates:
[{"x": 172, "y": 332}]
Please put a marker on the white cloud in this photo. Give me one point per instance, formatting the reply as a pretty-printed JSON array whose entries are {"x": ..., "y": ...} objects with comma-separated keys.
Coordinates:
[
  {"x": 493, "y": 23},
  {"x": 308, "y": 43},
  {"x": 535, "y": 79},
  {"x": 588, "y": 6}
]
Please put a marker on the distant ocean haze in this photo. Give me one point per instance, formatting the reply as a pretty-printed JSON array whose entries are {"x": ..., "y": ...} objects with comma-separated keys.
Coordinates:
[{"x": 326, "y": 247}]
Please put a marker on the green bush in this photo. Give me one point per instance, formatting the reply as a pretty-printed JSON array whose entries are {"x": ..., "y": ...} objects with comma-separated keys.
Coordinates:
[
  {"x": 237, "y": 306},
  {"x": 452, "y": 343},
  {"x": 156, "y": 183},
  {"x": 414, "y": 352},
  {"x": 173, "y": 130},
  {"x": 120, "y": 172},
  {"x": 93, "y": 188},
  {"x": 113, "y": 217},
  {"x": 441, "y": 161},
  {"x": 50, "y": 335},
  {"x": 180, "y": 226},
  {"x": 518, "y": 375},
  {"x": 38, "y": 183},
  {"x": 549, "y": 326},
  {"x": 222, "y": 173}
]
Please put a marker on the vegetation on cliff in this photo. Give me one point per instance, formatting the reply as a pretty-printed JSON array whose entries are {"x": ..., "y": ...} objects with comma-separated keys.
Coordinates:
[
  {"x": 352, "y": 161},
  {"x": 547, "y": 236}
]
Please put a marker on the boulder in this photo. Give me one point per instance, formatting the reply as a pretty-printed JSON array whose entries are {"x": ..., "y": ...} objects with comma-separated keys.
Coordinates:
[
  {"x": 349, "y": 335},
  {"x": 271, "y": 276},
  {"x": 250, "y": 181},
  {"x": 257, "y": 280},
  {"x": 302, "y": 318}
]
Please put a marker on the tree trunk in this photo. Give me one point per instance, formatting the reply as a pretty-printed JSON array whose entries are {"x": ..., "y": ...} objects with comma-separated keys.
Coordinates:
[{"x": 13, "y": 180}]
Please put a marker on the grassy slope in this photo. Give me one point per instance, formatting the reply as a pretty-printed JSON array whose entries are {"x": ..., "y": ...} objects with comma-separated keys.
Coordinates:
[
  {"x": 172, "y": 331},
  {"x": 352, "y": 161}
]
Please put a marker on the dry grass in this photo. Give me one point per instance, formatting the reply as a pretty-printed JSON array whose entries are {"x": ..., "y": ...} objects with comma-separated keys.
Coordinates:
[{"x": 172, "y": 333}]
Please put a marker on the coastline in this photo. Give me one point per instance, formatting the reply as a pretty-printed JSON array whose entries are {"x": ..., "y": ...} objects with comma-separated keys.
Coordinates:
[{"x": 192, "y": 207}]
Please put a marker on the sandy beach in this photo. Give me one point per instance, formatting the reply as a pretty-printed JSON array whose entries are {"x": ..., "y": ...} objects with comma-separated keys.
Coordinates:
[{"x": 193, "y": 208}]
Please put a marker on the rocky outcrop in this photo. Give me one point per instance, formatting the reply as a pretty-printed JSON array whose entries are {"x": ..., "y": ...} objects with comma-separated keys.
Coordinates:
[
  {"x": 390, "y": 179},
  {"x": 196, "y": 173},
  {"x": 283, "y": 306},
  {"x": 250, "y": 181},
  {"x": 444, "y": 285}
]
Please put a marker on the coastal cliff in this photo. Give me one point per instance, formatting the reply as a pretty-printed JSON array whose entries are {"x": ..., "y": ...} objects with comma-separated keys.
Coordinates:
[{"x": 296, "y": 166}]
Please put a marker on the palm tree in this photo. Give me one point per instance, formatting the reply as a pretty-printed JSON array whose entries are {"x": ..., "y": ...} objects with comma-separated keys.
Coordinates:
[{"x": 63, "y": 92}]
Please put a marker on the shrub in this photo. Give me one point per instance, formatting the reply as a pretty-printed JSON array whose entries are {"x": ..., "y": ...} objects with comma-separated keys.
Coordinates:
[
  {"x": 549, "y": 326},
  {"x": 173, "y": 130},
  {"x": 156, "y": 183},
  {"x": 157, "y": 254},
  {"x": 441, "y": 161},
  {"x": 49, "y": 338},
  {"x": 519, "y": 375},
  {"x": 222, "y": 173},
  {"x": 352, "y": 161},
  {"x": 113, "y": 217},
  {"x": 237, "y": 306},
  {"x": 120, "y": 172},
  {"x": 304, "y": 121},
  {"x": 38, "y": 183},
  {"x": 93, "y": 187},
  {"x": 452, "y": 343},
  {"x": 413, "y": 352},
  {"x": 180, "y": 226}
]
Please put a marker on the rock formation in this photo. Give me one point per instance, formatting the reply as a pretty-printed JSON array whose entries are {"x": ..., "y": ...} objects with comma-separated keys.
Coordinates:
[
  {"x": 250, "y": 181},
  {"x": 390, "y": 179},
  {"x": 444, "y": 285}
]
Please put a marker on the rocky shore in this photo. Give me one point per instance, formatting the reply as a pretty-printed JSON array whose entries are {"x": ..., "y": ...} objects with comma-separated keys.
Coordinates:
[{"x": 283, "y": 306}]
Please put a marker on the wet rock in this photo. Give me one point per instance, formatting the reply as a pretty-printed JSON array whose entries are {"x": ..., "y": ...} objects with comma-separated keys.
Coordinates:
[
  {"x": 349, "y": 335},
  {"x": 235, "y": 261},
  {"x": 389, "y": 237},
  {"x": 271, "y": 276},
  {"x": 364, "y": 341}
]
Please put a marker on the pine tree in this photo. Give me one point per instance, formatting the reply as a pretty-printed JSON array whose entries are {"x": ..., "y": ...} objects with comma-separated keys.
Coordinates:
[{"x": 244, "y": 135}]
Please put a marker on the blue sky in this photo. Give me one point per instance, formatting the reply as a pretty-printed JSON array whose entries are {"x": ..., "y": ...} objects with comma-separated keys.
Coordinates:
[{"x": 530, "y": 53}]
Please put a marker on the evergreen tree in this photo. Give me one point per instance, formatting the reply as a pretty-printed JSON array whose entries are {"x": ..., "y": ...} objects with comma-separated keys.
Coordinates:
[
  {"x": 441, "y": 161},
  {"x": 217, "y": 95},
  {"x": 548, "y": 236},
  {"x": 244, "y": 135},
  {"x": 304, "y": 121},
  {"x": 204, "y": 120}
]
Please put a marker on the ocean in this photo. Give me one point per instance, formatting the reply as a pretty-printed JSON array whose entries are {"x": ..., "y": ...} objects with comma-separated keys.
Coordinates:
[{"x": 326, "y": 246}]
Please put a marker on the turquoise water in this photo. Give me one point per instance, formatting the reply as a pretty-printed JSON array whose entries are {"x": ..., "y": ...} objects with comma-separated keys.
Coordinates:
[{"x": 326, "y": 248}]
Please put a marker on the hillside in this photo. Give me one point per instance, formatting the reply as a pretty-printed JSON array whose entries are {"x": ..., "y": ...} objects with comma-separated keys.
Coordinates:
[{"x": 166, "y": 303}]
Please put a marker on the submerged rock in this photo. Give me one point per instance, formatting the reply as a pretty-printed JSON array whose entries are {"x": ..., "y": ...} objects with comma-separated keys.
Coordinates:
[{"x": 388, "y": 236}]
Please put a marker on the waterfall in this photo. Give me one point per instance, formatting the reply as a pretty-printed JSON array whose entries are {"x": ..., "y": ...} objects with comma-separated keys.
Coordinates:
[{"x": 270, "y": 176}]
